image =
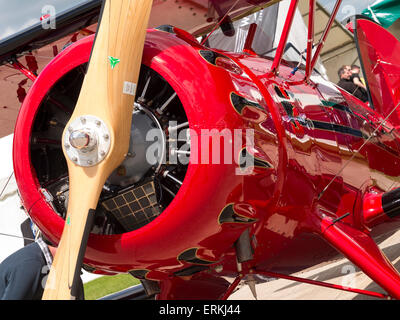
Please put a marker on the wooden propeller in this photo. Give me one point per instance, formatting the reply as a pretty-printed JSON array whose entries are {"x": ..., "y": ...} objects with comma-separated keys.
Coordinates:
[{"x": 96, "y": 139}]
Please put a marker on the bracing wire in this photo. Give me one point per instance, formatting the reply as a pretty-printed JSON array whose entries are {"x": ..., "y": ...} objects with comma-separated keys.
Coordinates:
[{"x": 359, "y": 149}]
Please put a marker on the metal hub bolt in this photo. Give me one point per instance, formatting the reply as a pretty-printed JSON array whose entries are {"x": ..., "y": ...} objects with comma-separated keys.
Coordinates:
[
  {"x": 80, "y": 139},
  {"x": 87, "y": 141}
]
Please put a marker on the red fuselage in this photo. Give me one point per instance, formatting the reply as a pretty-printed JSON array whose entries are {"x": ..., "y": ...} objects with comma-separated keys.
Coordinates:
[{"x": 307, "y": 136}]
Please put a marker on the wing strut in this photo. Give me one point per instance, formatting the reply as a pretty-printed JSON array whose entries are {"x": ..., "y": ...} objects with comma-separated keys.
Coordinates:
[
  {"x": 362, "y": 250},
  {"x": 311, "y": 59},
  {"x": 310, "y": 39},
  {"x": 285, "y": 34},
  {"x": 324, "y": 36}
]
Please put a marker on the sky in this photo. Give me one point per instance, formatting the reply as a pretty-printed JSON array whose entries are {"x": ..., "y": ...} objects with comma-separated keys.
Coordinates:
[
  {"x": 16, "y": 15},
  {"x": 347, "y": 8}
]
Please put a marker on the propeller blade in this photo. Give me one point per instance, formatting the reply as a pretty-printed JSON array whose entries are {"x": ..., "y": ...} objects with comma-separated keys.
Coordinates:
[{"x": 96, "y": 138}]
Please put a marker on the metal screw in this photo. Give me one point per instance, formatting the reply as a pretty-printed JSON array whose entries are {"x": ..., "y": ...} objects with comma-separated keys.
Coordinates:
[
  {"x": 90, "y": 162},
  {"x": 218, "y": 268},
  {"x": 98, "y": 123},
  {"x": 79, "y": 139},
  {"x": 74, "y": 159},
  {"x": 83, "y": 120},
  {"x": 102, "y": 153}
]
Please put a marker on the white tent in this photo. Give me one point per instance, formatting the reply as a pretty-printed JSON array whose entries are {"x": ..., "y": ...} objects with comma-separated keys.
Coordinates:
[
  {"x": 11, "y": 214},
  {"x": 270, "y": 22}
]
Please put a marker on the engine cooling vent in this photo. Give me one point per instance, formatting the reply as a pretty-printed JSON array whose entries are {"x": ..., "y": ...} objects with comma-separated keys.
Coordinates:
[{"x": 134, "y": 207}]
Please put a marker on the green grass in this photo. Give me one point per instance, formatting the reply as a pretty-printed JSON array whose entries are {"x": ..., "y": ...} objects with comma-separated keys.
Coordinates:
[{"x": 105, "y": 285}]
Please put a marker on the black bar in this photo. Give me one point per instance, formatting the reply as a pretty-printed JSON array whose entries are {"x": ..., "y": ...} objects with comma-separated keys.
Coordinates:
[
  {"x": 391, "y": 203},
  {"x": 76, "y": 283}
]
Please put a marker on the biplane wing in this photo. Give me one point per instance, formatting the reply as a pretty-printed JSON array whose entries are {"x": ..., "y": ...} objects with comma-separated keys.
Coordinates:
[{"x": 196, "y": 17}]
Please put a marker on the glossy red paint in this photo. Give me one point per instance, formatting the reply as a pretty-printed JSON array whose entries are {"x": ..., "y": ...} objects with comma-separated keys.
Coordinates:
[
  {"x": 349, "y": 240},
  {"x": 373, "y": 207},
  {"x": 28, "y": 73},
  {"x": 310, "y": 37},
  {"x": 164, "y": 47},
  {"x": 247, "y": 48},
  {"x": 31, "y": 195},
  {"x": 309, "y": 133},
  {"x": 380, "y": 54}
]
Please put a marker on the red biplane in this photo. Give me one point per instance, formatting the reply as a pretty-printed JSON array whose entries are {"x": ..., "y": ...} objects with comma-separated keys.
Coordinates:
[{"x": 306, "y": 173}]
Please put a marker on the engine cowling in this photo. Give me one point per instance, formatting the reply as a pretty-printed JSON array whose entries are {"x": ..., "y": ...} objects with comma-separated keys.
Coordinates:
[{"x": 160, "y": 218}]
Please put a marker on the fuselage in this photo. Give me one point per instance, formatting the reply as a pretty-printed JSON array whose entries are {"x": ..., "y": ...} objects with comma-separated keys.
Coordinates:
[{"x": 317, "y": 150}]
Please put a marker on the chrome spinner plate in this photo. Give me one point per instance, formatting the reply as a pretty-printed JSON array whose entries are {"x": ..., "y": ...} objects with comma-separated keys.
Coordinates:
[{"x": 99, "y": 141}]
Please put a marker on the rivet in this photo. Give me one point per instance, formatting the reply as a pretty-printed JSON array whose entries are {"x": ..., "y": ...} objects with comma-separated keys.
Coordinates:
[{"x": 218, "y": 268}]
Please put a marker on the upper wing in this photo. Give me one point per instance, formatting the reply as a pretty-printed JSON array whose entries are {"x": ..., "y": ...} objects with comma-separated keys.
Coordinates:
[{"x": 194, "y": 16}]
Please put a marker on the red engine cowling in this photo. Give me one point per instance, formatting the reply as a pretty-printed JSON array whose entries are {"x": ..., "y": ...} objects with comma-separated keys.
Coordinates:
[
  {"x": 265, "y": 185},
  {"x": 204, "y": 206}
]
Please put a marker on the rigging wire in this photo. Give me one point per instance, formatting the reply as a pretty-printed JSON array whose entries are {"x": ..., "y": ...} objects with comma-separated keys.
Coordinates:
[
  {"x": 8, "y": 234},
  {"x": 359, "y": 149},
  {"x": 15, "y": 236},
  {"x": 219, "y": 22},
  {"x": 7, "y": 182}
]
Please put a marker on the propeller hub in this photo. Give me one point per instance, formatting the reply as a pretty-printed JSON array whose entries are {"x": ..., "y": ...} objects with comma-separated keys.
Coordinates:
[
  {"x": 87, "y": 141},
  {"x": 82, "y": 139}
]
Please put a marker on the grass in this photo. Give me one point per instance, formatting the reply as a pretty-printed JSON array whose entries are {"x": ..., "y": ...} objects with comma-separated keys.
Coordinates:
[{"x": 105, "y": 285}]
